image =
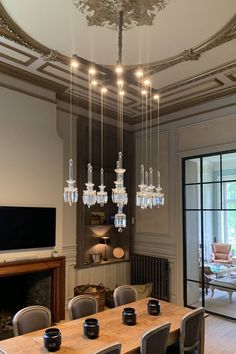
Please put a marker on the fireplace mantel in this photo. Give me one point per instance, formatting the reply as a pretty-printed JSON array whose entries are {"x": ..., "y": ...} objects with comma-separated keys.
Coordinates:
[{"x": 57, "y": 267}]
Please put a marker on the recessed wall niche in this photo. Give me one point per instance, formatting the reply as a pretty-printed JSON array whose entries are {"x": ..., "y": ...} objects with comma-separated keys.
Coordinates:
[{"x": 96, "y": 222}]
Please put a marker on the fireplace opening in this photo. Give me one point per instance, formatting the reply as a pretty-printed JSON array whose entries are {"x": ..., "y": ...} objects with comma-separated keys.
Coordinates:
[{"x": 20, "y": 291}]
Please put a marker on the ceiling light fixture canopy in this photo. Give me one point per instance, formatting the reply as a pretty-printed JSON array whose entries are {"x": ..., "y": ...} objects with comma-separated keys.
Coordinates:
[{"x": 105, "y": 12}]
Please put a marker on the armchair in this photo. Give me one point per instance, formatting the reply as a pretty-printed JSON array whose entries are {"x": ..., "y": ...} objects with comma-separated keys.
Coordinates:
[{"x": 221, "y": 253}]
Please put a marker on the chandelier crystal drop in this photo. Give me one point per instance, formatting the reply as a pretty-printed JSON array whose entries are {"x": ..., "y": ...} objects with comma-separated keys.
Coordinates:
[
  {"x": 70, "y": 192},
  {"x": 89, "y": 195}
]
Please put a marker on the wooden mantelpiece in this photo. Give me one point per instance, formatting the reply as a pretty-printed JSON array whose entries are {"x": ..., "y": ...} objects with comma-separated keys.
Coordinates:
[{"x": 56, "y": 266}]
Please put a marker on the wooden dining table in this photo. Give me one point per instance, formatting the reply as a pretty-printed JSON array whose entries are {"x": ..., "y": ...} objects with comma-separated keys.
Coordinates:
[{"x": 111, "y": 330}]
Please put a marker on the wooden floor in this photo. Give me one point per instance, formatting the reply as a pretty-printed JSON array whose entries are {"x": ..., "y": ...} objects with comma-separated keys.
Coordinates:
[{"x": 220, "y": 336}]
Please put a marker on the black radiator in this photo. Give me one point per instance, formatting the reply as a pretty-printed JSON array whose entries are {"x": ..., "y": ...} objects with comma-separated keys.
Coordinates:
[{"x": 147, "y": 269}]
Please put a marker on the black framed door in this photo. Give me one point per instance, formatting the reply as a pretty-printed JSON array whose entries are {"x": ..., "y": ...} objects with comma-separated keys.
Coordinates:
[{"x": 209, "y": 217}]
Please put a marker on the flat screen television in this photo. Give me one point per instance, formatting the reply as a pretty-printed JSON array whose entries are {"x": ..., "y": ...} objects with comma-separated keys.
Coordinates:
[{"x": 27, "y": 227}]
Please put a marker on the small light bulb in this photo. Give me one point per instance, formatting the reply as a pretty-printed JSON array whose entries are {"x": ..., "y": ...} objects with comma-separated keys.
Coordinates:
[
  {"x": 122, "y": 93},
  {"x": 92, "y": 71},
  {"x": 147, "y": 82},
  {"x": 119, "y": 69},
  {"x": 94, "y": 83},
  {"x": 120, "y": 82},
  {"x": 74, "y": 63},
  {"x": 156, "y": 97},
  {"x": 103, "y": 90},
  {"x": 144, "y": 92},
  {"x": 139, "y": 73}
]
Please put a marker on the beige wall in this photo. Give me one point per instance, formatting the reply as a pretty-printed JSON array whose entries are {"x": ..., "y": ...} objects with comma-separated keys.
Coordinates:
[
  {"x": 159, "y": 231},
  {"x": 30, "y": 158}
]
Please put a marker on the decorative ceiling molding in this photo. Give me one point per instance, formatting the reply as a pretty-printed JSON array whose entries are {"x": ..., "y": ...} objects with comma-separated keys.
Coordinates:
[
  {"x": 23, "y": 57},
  {"x": 10, "y": 30},
  {"x": 106, "y": 12},
  {"x": 225, "y": 34}
]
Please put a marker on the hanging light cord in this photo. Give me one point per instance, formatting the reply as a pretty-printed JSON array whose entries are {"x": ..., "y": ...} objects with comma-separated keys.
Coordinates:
[
  {"x": 146, "y": 118},
  {"x": 150, "y": 100},
  {"x": 90, "y": 119},
  {"x": 102, "y": 133},
  {"x": 158, "y": 133},
  {"x": 71, "y": 89}
]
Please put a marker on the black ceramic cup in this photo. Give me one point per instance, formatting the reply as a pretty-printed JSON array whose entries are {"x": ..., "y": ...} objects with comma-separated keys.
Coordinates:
[
  {"x": 129, "y": 316},
  {"x": 52, "y": 339},
  {"x": 91, "y": 328},
  {"x": 153, "y": 307}
]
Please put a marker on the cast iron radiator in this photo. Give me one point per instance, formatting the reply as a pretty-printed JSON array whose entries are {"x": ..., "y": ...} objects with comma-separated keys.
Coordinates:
[{"x": 147, "y": 269}]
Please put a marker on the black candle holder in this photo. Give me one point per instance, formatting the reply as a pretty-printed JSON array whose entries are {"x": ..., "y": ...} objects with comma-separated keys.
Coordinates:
[
  {"x": 91, "y": 328},
  {"x": 129, "y": 316},
  {"x": 52, "y": 339},
  {"x": 153, "y": 307}
]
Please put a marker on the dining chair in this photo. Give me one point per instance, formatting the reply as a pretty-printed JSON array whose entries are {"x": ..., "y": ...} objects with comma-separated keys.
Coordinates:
[
  {"x": 31, "y": 319},
  {"x": 190, "y": 333},
  {"x": 155, "y": 340},
  {"x": 111, "y": 349},
  {"x": 124, "y": 294},
  {"x": 82, "y": 305}
]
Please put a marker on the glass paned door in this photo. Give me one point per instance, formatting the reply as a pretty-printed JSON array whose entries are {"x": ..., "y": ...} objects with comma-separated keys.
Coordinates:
[{"x": 209, "y": 209}]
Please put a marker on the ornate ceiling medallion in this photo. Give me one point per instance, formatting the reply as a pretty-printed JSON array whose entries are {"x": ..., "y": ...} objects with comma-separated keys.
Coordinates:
[{"x": 106, "y": 12}]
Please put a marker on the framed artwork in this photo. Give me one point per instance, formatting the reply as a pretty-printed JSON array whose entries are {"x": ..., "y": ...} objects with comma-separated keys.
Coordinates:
[{"x": 98, "y": 218}]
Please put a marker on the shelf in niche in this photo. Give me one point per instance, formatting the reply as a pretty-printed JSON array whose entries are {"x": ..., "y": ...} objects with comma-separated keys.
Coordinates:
[
  {"x": 109, "y": 226},
  {"x": 102, "y": 263}
]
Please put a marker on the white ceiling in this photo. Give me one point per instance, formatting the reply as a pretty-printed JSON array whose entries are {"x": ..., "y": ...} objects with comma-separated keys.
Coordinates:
[
  {"x": 182, "y": 25},
  {"x": 202, "y": 28}
]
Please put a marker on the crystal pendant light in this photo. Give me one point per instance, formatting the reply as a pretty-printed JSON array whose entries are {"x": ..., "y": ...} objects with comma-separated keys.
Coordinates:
[
  {"x": 102, "y": 197},
  {"x": 71, "y": 191},
  {"x": 90, "y": 195},
  {"x": 119, "y": 195},
  {"x": 144, "y": 197},
  {"x": 158, "y": 196}
]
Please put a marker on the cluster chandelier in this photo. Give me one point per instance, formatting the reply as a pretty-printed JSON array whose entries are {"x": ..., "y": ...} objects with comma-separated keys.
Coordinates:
[
  {"x": 149, "y": 195},
  {"x": 119, "y": 14}
]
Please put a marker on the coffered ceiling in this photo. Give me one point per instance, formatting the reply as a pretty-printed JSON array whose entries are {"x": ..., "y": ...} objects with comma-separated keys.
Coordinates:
[{"x": 189, "y": 52}]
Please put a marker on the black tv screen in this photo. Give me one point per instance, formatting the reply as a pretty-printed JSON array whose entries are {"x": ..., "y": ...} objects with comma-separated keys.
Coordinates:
[{"x": 27, "y": 227}]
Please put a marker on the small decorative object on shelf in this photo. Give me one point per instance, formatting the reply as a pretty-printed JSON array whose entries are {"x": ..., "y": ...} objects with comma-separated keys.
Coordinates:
[
  {"x": 105, "y": 240},
  {"x": 118, "y": 252},
  {"x": 98, "y": 218}
]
